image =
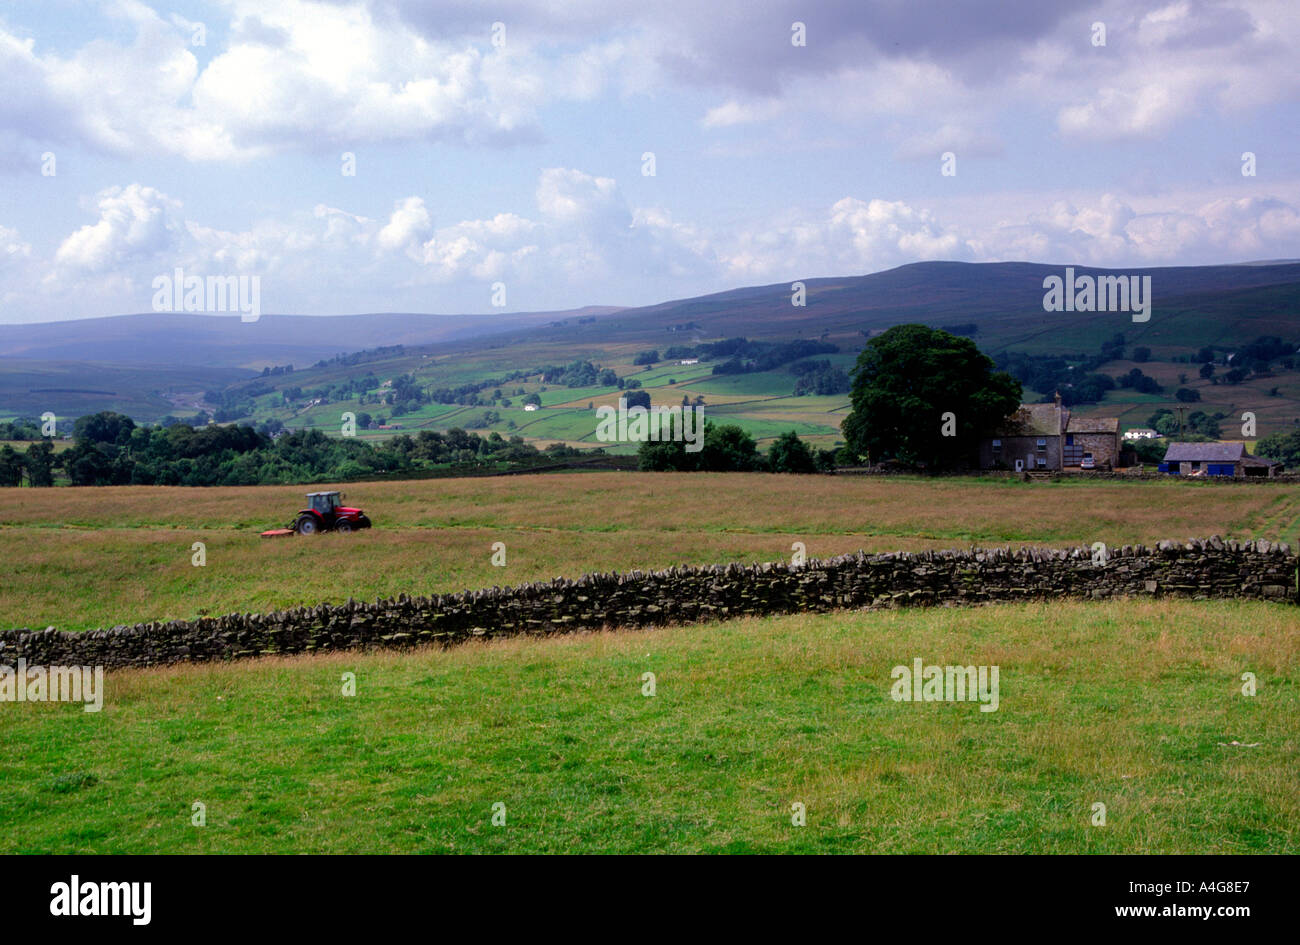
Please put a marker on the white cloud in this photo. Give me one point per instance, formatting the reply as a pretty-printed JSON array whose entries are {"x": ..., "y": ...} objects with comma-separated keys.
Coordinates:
[
  {"x": 1169, "y": 65},
  {"x": 135, "y": 223},
  {"x": 12, "y": 248},
  {"x": 296, "y": 74},
  {"x": 409, "y": 222},
  {"x": 1111, "y": 232},
  {"x": 586, "y": 244},
  {"x": 572, "y": 197},
  {"x": 854, "y": 236},
  {"x": 961, "y": 138},
  {"x": 733, "y": 112},
  {"x": 480, "y": 249}
]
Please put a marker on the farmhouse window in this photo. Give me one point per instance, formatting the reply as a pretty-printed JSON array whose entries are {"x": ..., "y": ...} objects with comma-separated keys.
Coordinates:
[
  {"x": 1042, "y": 445},
  {"x": 1041, "y": 462},
  {"x": 997, "y": 446}
]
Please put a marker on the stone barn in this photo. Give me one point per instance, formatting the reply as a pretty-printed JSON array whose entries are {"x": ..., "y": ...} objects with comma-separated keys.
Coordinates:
[{"x": 1215, "y": 459}]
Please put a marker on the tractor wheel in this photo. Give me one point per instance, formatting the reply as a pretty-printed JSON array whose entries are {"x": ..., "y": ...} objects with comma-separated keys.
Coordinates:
[
  {"x": 363, "y": 521},
  {"x": 307, "y": 525},
  {"x": 343, "y": 525}
]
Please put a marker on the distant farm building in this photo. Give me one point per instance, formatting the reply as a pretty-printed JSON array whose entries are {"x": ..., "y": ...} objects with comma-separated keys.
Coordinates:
[
  {"x": 1048, "y": 437},
  {"x": 530, "y": 407},
  {"x": 1215, "y": 459},
  {"x": 690, "y": 361},
  {"x": 1141, "y": 433}
]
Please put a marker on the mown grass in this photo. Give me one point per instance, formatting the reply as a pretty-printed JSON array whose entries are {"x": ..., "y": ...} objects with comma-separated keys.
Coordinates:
[
  {"x": 1135, "y": 705},
  {"x": 85, "y": 558}
]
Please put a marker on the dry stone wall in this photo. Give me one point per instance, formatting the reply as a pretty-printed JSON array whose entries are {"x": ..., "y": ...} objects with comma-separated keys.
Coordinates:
[{"x": 1209, "y": 568}]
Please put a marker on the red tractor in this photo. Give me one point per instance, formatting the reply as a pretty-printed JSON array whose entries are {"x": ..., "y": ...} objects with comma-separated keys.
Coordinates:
[{"x": 325, "y": 514}]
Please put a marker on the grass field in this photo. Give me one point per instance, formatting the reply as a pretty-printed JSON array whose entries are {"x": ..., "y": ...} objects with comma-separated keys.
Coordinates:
[
  {"x": 1134, "y": 705},
  {"x": 85, "y": 558}
]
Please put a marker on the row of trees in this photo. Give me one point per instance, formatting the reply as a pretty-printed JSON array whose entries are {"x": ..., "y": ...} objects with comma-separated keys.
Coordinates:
[
  {"x": 110, "y": 449},
  {"x": 728, "y": 448},
  {"x": 819, "y": 377}
]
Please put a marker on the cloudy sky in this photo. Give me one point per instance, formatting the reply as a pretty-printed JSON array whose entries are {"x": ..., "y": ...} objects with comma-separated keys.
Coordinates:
[{"x": 508, "y": 140}]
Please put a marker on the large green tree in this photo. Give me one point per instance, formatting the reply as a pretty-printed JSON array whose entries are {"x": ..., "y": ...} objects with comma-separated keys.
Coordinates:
[
  {"x": 40, "y": 463},
  {"x": 104, "y": 427},
  {"x": 726, "y": 448},
  {"x": 905, "y": 382},
  {"x": 11, "y": 466},
  {"x": 789, "y": 454},
  {"x": 1282, "y": 447}
]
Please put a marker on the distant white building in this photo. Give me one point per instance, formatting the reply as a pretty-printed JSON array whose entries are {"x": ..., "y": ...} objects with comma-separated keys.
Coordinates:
[
  {"x": 690, "y": 361},
  {"x": 1141, "y": 433},
  {"x": 530, "y": 407}
]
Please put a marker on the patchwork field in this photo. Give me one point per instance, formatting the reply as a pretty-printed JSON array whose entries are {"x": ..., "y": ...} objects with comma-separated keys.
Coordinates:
[
  {"x": 84, "y": 558},
  {"x": 1133, "y": 705}
]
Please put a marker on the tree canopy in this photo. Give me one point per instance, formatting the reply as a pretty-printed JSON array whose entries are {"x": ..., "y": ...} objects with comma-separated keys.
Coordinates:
[{"x": 906, "y": 381}]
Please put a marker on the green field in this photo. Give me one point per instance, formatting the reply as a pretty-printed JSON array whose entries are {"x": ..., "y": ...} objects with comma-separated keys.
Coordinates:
[
  {"x": 94, "y": 557},
  {"x": 1132, "y": 705}
]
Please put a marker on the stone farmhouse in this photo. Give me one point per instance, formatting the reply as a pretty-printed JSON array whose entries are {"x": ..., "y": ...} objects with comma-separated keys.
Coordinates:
[{"x": 1050, "y": 438}]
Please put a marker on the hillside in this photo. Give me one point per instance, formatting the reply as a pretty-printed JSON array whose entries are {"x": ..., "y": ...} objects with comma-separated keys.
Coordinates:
[
  {"x": 1004, "y": 299},
  {"x": 1000, "y": 305},
  {"x": 70, "y": 389},
  {"x": 226, "y": 341}
]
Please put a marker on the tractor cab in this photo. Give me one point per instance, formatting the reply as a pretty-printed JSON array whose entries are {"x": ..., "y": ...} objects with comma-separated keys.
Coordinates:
[
  {"x": 323, "y": 503},
  {"x": 324, "y": 513}
]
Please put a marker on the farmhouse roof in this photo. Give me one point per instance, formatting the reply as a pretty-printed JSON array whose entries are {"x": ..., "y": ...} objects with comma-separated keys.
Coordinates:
[
  {"x": 1205, "y": 452},
  {"x": 1092, "y": 425},
  {"x": 1032, "y": 420}
]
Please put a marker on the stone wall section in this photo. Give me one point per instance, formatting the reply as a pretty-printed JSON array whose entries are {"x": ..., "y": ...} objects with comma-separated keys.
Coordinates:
[{"x": 1196, "y": 569}]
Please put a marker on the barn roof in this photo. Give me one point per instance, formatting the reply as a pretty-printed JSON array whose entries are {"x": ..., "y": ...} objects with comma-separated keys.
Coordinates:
[{"x": 1205, "y": 452}]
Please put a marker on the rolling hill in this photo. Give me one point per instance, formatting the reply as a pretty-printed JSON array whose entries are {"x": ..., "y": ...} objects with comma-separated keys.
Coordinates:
[
  {"x": 999, "y": 304},
  {"x": 1234, "y": 304},
  {"x": 226, "y": 341}
]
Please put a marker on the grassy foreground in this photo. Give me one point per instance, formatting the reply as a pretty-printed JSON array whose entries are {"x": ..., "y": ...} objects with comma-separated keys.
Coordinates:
[
  {"x": 1135, "y": 705},
  {"x": 84, "y": 558}
]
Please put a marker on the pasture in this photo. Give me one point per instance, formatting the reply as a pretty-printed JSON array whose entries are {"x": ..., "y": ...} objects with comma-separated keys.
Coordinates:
[
  {"x": 81, "y": 558},
  {"x": 1132, "y": 705}
]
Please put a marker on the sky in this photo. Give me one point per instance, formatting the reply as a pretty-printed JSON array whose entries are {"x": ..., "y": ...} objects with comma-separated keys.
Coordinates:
[{"x": 445, "y": 155}]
